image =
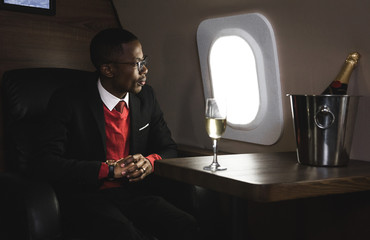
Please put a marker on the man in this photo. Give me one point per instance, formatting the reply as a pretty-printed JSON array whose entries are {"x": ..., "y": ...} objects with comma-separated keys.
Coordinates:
[{"x": 102, "y": 138}]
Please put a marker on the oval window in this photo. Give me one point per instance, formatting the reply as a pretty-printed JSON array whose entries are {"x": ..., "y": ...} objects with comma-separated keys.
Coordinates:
[{"x": 234, "y": 76}]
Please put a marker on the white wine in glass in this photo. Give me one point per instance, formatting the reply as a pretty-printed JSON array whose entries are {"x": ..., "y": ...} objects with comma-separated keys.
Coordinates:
[{"x": 215, "y": 126}]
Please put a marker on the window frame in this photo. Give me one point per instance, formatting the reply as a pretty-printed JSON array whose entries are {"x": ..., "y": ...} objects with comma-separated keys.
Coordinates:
[{"x": 267, "y": 127}]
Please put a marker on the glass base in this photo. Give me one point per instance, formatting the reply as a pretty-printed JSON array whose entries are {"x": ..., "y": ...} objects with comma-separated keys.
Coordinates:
[{"x": 214, "y": 167}]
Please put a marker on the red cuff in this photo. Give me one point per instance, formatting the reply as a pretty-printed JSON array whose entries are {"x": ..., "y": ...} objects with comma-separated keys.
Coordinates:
[
  {"x": 153, "y": 157},
  {"x": 104, "y": 171}
]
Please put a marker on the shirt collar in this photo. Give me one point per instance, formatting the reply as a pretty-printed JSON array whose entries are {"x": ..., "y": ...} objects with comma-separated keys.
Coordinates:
[{"x": 109, "y": 100}]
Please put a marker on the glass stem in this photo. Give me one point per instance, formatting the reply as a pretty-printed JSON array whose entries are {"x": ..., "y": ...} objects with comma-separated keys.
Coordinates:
[{"x": 214, "y": 151}]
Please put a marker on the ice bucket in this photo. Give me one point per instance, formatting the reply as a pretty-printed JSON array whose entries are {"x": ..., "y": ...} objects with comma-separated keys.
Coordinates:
[{"x": 324, "y": 127}]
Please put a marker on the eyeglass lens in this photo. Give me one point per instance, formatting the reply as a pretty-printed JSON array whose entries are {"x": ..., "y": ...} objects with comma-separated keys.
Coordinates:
[{"x": 142, "y": 63}]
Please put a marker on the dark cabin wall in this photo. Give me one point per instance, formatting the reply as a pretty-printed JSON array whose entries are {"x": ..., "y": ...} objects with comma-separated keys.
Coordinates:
[
  {"x": 313, "y": 39},
  {"x": 30, "y": 40}
]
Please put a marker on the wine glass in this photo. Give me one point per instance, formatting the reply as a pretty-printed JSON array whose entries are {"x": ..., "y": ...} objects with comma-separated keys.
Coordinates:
[{"x": 215, "y": 125}]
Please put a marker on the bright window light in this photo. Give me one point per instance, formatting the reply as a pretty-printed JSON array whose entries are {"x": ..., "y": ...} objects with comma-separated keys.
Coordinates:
[{"x": 234, "y": 76}]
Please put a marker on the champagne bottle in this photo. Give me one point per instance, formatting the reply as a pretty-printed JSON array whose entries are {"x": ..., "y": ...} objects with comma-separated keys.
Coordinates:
[{"x": 340, "y": 84}]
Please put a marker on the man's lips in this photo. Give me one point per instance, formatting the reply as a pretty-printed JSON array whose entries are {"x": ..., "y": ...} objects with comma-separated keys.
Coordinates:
[{"x": 141, "y": 82}]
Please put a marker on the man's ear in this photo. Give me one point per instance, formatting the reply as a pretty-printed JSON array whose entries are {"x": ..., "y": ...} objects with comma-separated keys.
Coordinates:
[{"x": 106, "y": 70}]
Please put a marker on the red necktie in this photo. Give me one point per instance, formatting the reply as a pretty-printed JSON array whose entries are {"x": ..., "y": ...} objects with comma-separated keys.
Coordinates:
[{"x": 120, "y": 106}]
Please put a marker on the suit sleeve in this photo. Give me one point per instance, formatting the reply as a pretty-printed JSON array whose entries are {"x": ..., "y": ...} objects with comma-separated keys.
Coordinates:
[{"x": 54, "y": 159}]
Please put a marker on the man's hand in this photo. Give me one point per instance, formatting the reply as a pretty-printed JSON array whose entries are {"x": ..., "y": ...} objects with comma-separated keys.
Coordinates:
[{"x": 134, "y": 167}]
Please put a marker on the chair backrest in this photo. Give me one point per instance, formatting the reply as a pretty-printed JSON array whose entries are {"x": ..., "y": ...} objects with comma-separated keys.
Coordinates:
[{"x": 25, "y": 96}]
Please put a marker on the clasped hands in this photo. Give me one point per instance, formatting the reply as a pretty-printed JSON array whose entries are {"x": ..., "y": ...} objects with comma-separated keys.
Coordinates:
[{"x": 134, "y": 167}]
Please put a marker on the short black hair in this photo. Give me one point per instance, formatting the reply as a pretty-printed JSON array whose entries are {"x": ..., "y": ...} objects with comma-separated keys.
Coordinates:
[{"x": 105, "y": 47}]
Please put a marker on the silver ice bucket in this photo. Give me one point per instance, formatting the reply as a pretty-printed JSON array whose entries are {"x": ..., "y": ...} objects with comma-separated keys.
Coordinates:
[{"x": 324, "y": 127}]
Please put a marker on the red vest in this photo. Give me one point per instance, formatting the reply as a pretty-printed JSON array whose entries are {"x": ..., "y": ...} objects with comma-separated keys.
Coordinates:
[{"x": 117, "y": 131}]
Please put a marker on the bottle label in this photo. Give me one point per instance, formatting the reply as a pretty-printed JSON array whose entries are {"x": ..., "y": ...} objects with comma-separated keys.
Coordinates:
[
  {"x": 336, "y": 88},
  {"x": 336, "y": 84}
]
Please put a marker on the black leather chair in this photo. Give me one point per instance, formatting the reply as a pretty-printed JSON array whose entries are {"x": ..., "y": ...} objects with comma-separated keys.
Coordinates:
[{"x": 29, "y": 209}]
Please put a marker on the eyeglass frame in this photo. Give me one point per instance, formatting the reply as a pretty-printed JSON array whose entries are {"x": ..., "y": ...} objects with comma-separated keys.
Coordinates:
[{"x": 139, "y": 64}]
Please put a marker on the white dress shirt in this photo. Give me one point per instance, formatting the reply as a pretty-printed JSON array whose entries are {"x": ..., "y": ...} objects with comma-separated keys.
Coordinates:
[{"x": 109, "y": 100}]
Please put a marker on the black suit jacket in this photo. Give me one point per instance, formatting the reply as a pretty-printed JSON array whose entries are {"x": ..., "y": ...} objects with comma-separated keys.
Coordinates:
[{"x": 73, "y": 143}]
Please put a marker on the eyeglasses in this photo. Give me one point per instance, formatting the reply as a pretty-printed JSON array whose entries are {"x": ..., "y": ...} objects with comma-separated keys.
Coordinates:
[{"x": 140, "y": 64}]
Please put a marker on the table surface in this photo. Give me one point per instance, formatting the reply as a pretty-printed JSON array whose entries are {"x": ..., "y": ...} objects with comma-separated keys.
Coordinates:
[{"x": 267, "y": 177}]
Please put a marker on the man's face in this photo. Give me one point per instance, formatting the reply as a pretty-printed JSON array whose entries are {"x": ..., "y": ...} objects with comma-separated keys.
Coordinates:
[{"x": 125, "y": 73}]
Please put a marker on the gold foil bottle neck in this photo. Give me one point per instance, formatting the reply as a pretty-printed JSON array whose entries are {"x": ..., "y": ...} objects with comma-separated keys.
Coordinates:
[
  {"x": 349, "y": 65},
  {"x": 353, "y": 58}
]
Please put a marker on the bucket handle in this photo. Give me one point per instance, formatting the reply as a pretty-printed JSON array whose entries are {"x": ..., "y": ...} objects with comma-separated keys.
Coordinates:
[{"x": 324, "y": 110}]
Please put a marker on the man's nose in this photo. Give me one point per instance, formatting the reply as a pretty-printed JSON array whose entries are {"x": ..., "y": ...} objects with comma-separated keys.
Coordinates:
[{"x": 144, "y": 70}]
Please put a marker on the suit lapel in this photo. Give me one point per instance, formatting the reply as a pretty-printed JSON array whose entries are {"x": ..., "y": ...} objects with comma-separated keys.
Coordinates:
[{"x": 135, "y": 109}]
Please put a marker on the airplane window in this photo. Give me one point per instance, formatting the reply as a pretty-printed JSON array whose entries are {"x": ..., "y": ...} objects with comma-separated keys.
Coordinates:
[
  {"x": 238, "y": 59},
  {"x": 234, "y": 74}
]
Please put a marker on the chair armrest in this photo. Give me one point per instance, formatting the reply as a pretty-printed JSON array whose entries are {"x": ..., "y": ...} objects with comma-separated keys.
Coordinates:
[{"x": 29, "y": 209}]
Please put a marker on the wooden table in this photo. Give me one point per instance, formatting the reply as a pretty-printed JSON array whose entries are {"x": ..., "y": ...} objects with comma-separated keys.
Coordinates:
[{"x": 267, "y": 177}]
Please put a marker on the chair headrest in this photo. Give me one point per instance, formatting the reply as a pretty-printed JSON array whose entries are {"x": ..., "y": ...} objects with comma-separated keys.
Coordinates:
[
  {"x": 25, "y": 95},
  {"x": 26, "y": 92}
]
